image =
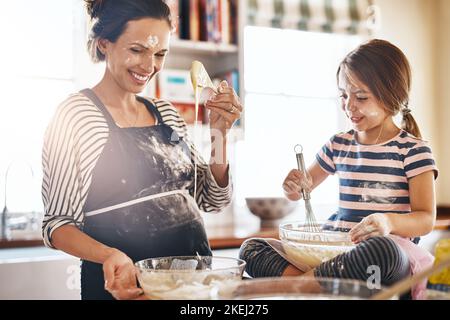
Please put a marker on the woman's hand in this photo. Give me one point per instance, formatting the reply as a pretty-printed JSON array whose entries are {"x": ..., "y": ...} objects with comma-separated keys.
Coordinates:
[
  {"x": 225, "y": 108},
  {"x": 294, "y": 183},
  {"x": 375, "y": 225},
  {"x": 120, "y": 277}
]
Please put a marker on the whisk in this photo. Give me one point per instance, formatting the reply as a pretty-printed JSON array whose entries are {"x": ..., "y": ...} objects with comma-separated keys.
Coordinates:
[{"x": 311, "y": 224}]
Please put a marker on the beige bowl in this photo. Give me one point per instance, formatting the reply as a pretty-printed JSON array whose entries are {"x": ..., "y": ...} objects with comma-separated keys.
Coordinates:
[{"x": 270, "y": 210}]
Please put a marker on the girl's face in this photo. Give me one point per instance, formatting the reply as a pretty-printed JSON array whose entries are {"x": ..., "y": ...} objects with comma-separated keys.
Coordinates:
[
  {"x": 138, "y": 54},
  {"x": 359, "y": 104}
]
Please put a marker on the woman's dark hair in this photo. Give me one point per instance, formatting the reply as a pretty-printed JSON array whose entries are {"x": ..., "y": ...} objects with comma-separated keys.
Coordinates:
[
  {"x": 385, "y": 70},
  {"x": 110, "y": 17}
]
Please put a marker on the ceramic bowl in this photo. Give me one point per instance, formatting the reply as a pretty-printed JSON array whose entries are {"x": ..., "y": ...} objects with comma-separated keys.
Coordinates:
[{"x": 270, "y": 210}]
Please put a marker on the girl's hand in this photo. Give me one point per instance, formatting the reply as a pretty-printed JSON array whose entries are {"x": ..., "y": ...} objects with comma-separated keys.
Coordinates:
[
  {"x": 375, "y": 225},
  {"x": 294, "y": 183},
  {"x": 225, "y": 108},
  {"x": 120, "y": 277}
]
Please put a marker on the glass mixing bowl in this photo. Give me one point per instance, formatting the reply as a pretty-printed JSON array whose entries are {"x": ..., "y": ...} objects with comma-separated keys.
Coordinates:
[
  {"x": 187, "y": 277},
  {"x": 305, "y": 247},
  {"x": 299, "y": 288}
]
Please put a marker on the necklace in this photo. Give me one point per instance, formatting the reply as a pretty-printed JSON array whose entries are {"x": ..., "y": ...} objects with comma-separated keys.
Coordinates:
[
  {"x": 128, "y": 122},
  {"x": 379, "y": 135}
]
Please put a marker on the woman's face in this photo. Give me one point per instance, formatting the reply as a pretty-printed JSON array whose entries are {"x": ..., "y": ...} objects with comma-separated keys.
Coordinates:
[
  {"x": 361, "y": 107},
  {"x": 138, "y": 54}
]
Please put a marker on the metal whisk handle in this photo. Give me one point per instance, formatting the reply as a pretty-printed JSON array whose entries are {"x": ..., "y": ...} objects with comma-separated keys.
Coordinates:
[{"x": 301, "y": 166}]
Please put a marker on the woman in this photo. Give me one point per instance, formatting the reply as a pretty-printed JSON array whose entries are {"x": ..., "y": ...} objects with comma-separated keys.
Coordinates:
[
  {"x": 118, "y": 168},
  {"x": 386, "y": 176}
]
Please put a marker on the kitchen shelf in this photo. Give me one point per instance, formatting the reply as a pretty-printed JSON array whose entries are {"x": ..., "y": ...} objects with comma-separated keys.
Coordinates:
[{"x": 179, "y": 46}]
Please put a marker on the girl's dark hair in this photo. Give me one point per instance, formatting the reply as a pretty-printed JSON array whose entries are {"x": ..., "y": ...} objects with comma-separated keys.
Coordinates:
[
  {"x": 110, "y": 17},
  {"x": 385, "y": 70}
]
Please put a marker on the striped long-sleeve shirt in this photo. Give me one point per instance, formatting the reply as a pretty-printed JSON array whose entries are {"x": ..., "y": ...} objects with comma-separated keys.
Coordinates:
[
  {"x": 73, "y": 143},
  {"x": 374, "y": 178}
]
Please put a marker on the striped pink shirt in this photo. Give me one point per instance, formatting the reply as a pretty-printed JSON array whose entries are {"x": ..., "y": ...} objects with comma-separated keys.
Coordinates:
[{"x": 374, "y": 178}]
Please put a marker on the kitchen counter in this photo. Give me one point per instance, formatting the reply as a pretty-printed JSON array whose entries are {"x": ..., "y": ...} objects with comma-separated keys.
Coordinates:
[
  {"x": 41, "y": 273},
  {"x": 226, "y": 233},
  {"x": 220, "y": 237}
]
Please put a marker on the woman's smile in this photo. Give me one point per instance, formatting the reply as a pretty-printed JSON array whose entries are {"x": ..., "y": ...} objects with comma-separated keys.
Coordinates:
[{"x": 140, "y": 79}]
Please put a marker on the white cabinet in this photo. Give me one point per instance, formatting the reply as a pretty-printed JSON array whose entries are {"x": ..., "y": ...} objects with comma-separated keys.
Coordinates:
[{"x": 38, "y": 274}]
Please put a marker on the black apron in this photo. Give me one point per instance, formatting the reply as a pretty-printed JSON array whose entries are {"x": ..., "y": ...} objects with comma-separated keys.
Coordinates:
[{"x": 138, "y": 201}]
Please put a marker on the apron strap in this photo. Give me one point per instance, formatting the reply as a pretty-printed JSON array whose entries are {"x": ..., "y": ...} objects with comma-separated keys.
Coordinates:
[
  {"x": 151, "y": 107},
  {"x": 136, "y": 201},
  {"x": 99, "y": 104}
]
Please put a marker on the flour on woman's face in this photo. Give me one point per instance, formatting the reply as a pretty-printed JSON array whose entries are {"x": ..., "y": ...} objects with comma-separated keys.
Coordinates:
[{"x": 138, "y": 54}]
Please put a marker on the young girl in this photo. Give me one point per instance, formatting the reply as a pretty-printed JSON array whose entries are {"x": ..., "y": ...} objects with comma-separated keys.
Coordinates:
[{"x": 386, "y": 176}]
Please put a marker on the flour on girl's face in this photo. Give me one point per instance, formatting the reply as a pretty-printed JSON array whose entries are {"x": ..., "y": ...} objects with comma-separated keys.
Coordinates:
[
  {"x": 360, "y": 100},
  {"x": 370, "y": 112}
]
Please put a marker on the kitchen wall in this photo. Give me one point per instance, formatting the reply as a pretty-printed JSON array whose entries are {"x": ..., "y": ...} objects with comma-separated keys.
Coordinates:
[
  {"x": 421, "y": 28},
  {"x": 442, "y": 92}
]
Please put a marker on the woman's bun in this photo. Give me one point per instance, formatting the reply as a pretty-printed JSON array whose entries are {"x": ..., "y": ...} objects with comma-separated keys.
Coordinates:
[{"x": 94, "y": 7}]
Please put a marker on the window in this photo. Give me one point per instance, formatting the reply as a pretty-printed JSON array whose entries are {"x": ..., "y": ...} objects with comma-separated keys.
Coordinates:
[
  {"x": 37, "y": 62},
  {"x": 291, "y": 98}
]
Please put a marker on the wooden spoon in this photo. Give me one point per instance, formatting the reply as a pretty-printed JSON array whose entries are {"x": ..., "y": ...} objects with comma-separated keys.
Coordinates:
[{"x": 200, "y": 77}]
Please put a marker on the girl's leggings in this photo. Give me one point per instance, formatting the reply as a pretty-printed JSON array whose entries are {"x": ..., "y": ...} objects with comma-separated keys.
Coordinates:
[{"x": 263, "y": 261}]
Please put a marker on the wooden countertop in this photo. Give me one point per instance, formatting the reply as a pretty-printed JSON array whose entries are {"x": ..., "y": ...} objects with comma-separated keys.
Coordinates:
[
  {"x": 233, "y": 240},
  {"x": 230, "y": 235},
  {"x": 219, "y": 238}
]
